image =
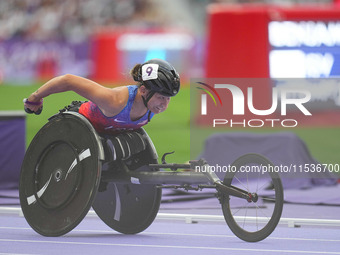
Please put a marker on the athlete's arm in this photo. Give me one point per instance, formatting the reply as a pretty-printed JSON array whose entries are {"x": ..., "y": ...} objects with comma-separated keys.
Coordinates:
[{"x": 110, "y": 101}]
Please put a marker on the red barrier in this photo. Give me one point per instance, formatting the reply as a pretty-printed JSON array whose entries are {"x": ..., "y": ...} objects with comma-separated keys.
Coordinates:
[
  {"x": 238, "y": 45},
  {"x": 237, "y": 42},
  {"x": 106, "y": 57}
]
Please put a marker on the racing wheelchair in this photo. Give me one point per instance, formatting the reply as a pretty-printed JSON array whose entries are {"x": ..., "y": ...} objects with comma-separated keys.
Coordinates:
[{"x": 69, "y": 168}]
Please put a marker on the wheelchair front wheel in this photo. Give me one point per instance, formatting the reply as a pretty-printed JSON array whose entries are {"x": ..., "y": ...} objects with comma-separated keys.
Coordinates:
[{"x": 253, "y": 221}]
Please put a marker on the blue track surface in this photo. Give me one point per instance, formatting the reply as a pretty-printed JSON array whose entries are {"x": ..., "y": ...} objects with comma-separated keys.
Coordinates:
[{"x": 92, "y": 236}]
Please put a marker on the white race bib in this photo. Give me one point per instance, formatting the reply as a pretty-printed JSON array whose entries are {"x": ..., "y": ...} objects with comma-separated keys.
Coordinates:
[{"x": 149, "y": 72}]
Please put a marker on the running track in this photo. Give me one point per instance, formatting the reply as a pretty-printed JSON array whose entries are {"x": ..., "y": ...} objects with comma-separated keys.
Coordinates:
[{"x": 175, "y": 236}]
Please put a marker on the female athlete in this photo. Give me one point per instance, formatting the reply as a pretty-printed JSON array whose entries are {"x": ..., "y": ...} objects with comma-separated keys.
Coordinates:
[{"x": 112, "y": 110}]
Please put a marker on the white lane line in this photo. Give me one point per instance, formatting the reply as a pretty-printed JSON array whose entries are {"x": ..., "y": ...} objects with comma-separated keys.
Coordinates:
[
  {"x": 232, "y": 236},
  {"x": 171, "y": 246},
  {"x": 15, "y": 228},
  {"x": 17, "y": 253},
  {"x": 189, "y": 218},
  {"x": 188, "y": 234}
]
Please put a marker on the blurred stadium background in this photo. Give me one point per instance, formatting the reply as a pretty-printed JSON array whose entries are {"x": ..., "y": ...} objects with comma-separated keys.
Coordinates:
[{"x": 103, "y": 39}]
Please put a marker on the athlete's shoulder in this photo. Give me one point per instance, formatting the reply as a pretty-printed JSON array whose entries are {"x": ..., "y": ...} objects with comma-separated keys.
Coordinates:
[
  {"x": 119, "y": 98},
  {"x": 120, "y": 95}
]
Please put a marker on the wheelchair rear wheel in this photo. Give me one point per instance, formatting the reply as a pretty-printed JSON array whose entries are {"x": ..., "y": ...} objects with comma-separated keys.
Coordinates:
[
  {"x": 130, "y": 208},
  {"x": 60, "y": 175}
]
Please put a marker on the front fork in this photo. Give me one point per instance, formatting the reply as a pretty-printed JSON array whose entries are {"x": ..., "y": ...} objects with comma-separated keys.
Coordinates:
[
  {"x": 205, "y": 178},
  {"x": 222, "y": 189}
]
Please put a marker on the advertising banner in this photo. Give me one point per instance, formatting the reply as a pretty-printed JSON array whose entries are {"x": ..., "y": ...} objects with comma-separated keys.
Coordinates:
[{"x": 24, "y": 62}]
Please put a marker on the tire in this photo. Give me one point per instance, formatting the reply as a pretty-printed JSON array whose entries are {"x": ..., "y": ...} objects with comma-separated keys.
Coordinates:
[
  {"x": 130, "y": 208},
  {"x": 60, "y": 175},
  {"x": 253, "y": 221}
]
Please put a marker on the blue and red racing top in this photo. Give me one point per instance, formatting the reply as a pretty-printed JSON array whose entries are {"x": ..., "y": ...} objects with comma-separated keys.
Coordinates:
[{"x": 119, "y": 123}]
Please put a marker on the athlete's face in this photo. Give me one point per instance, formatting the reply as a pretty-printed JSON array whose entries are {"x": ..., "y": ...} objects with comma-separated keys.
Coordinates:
[{"x": 158, "y": 103}]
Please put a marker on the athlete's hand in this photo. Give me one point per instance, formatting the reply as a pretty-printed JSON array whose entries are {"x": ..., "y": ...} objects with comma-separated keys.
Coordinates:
[{"x": 33, "y": 106}]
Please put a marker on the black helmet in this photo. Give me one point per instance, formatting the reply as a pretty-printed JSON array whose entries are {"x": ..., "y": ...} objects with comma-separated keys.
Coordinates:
[{"x": 160, "y": 76}]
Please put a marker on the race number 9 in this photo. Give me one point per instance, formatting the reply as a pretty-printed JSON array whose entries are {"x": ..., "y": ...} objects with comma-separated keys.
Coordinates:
[{"x": 149, "y": 72}]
